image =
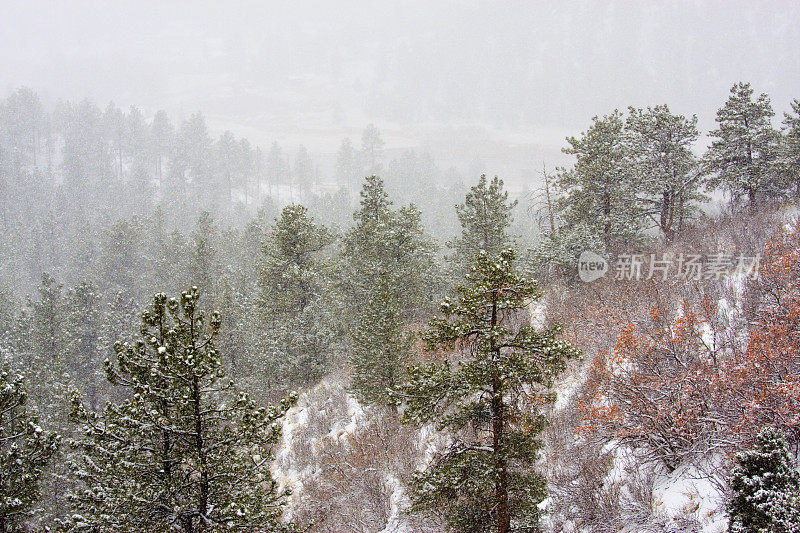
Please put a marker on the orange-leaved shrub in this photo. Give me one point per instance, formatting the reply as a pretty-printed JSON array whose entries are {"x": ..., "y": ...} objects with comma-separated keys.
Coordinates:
[
  {"x": 763, "y": 386},
  {"x": 685, "y": 382}
]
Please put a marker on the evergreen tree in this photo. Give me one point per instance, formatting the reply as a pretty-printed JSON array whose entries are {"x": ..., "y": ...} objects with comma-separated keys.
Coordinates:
[
  {"x": 42, "y": 330},
  {"x": 43, "y": 342},
  {"x": 204, "y": 263},
  {"x": 791, "y": 148},
  {"x": 161, "y": 138},
  {"x": 25, "y": 451},
  {"x": 194, "y": 145},
  {"x": 303, "y": 170},
  {"x": 347, "y": 170},
  {"x": 485, "y": 217},
  {"x": 294, "y": 278},
  {"x": 86, "y": 156},
  {"x": 371, "y": 149},
  {"x": 8, "y": 306},
  {"x": 599, "y": 191},
  {"x": 39, "y": 341},
  {"x": 743, "y": 153},
  {"x": 380, "y": 349},
  {"x": 246, "y": 168},
  {"x": 227, "y": 161},
  {"x": 293, "y": 271},
  {"x": 184, "y": 451},
  {"x": 139, "y": 172},
  {"x": 113, "y": 123},
  {"x": 765, "y": 487},
  {"x": 121, "y": 258},
  {"x": 277, "y": 168},
  {"x": 668, "y": 180},
  {"x": 389, "y": 245},
  {"x": 21, "y": 123},
  {"x": 84, "y": 348},
  {"x": 489, "y": 402},
  {"x": 558, "y": 252}
]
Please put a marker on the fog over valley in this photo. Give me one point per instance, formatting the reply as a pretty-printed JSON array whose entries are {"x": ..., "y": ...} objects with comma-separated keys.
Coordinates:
[{"x": 501, "y": 82}]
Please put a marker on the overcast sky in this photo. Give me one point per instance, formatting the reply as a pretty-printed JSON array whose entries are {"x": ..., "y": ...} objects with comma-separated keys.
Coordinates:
[{"x": 505, "y": 81}]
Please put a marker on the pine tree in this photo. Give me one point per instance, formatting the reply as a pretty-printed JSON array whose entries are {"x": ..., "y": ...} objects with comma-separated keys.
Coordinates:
[
  {"x": 121, "y": 258},
  {"x": 743, "y": 153},
  {"x": 293, "y": 271},
  {"x": 293, "y": 301},
  {"x": 391, "y": 245},
  {"x": 599, "y": 191},
  {"x": 668, "y": 179},
  {"x": 227, "y": 160},
  {"x": 25, "y": 451},
  {"x": 489, "y": 402},
  {"x": 138, "y": 186},
  {"x": 347, "y": 170},
  {"x": 380, "y": 349},
  {"x": 195, "y": 146},
  {"x": 184, "y": 451},
  {"x": 766, "y": 488},
  {"x": 371, "y": 149},
  {"x": 559, "y": 252},
  {"x": 303, "y": 170},
  {"x": 162, "y": 136},
  {"x": 39, "y": 340},
  {"x": 83, "y": 320},
  {"x": 23, "y": 120},
  {"x": 791, "y": 148},
  {"x": 485, "y": 217},
  {"x": 277, "y": 168},
  {"x": 204, "y": 263}
]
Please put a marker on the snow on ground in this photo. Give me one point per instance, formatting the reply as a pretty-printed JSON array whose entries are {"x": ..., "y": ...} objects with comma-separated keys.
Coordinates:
[
  {"x": 283, "y": 470},
  {"x": 685, "y": 496},
  {"x": 297, "y": 418},
  {"x": 565, "y": 387},
  {"x": 689, "y": 493},
  {"x": 397, "y": 502},
  {"x": 342, "y": 417},
  {"x": 537, "y": 311}
]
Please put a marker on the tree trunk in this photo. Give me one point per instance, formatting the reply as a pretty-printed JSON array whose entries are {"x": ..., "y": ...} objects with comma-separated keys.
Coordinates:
[
  {"x": 202, "y": 506},
  {"x": 549, "y": 203},
  {"x": 498, "y": 427},
  {"x": 501, "y": 481},
  {"x": 607, "y": 216},
  {"x": 167, "y": 443},
  {"x": 666, "y": 219}
]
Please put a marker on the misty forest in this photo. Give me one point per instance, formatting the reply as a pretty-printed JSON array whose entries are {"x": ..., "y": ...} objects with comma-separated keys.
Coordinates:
[{"x": 208, "y": 328}]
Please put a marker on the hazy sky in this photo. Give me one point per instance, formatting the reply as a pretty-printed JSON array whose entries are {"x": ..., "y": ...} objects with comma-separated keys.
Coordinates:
[{"x": 506, "y": 81}]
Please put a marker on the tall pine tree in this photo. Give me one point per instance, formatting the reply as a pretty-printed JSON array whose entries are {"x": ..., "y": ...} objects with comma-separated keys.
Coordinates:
[
  {"x": 488, "y": 401},
  {"x": 293, "y": 304},
  {"x": 790, "y": 151},
  {"x": 485, "y": 217},
  {"x": 660, "y": 145},
  {"x": 742, "y": 156},
  {"x": 380, "y": 348},
  {"x": 599, "y": 191},
  {"x": 185, "y": 451},
  {"x": 390, "y": 245},
  {"x": 293, "y": 272}
]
